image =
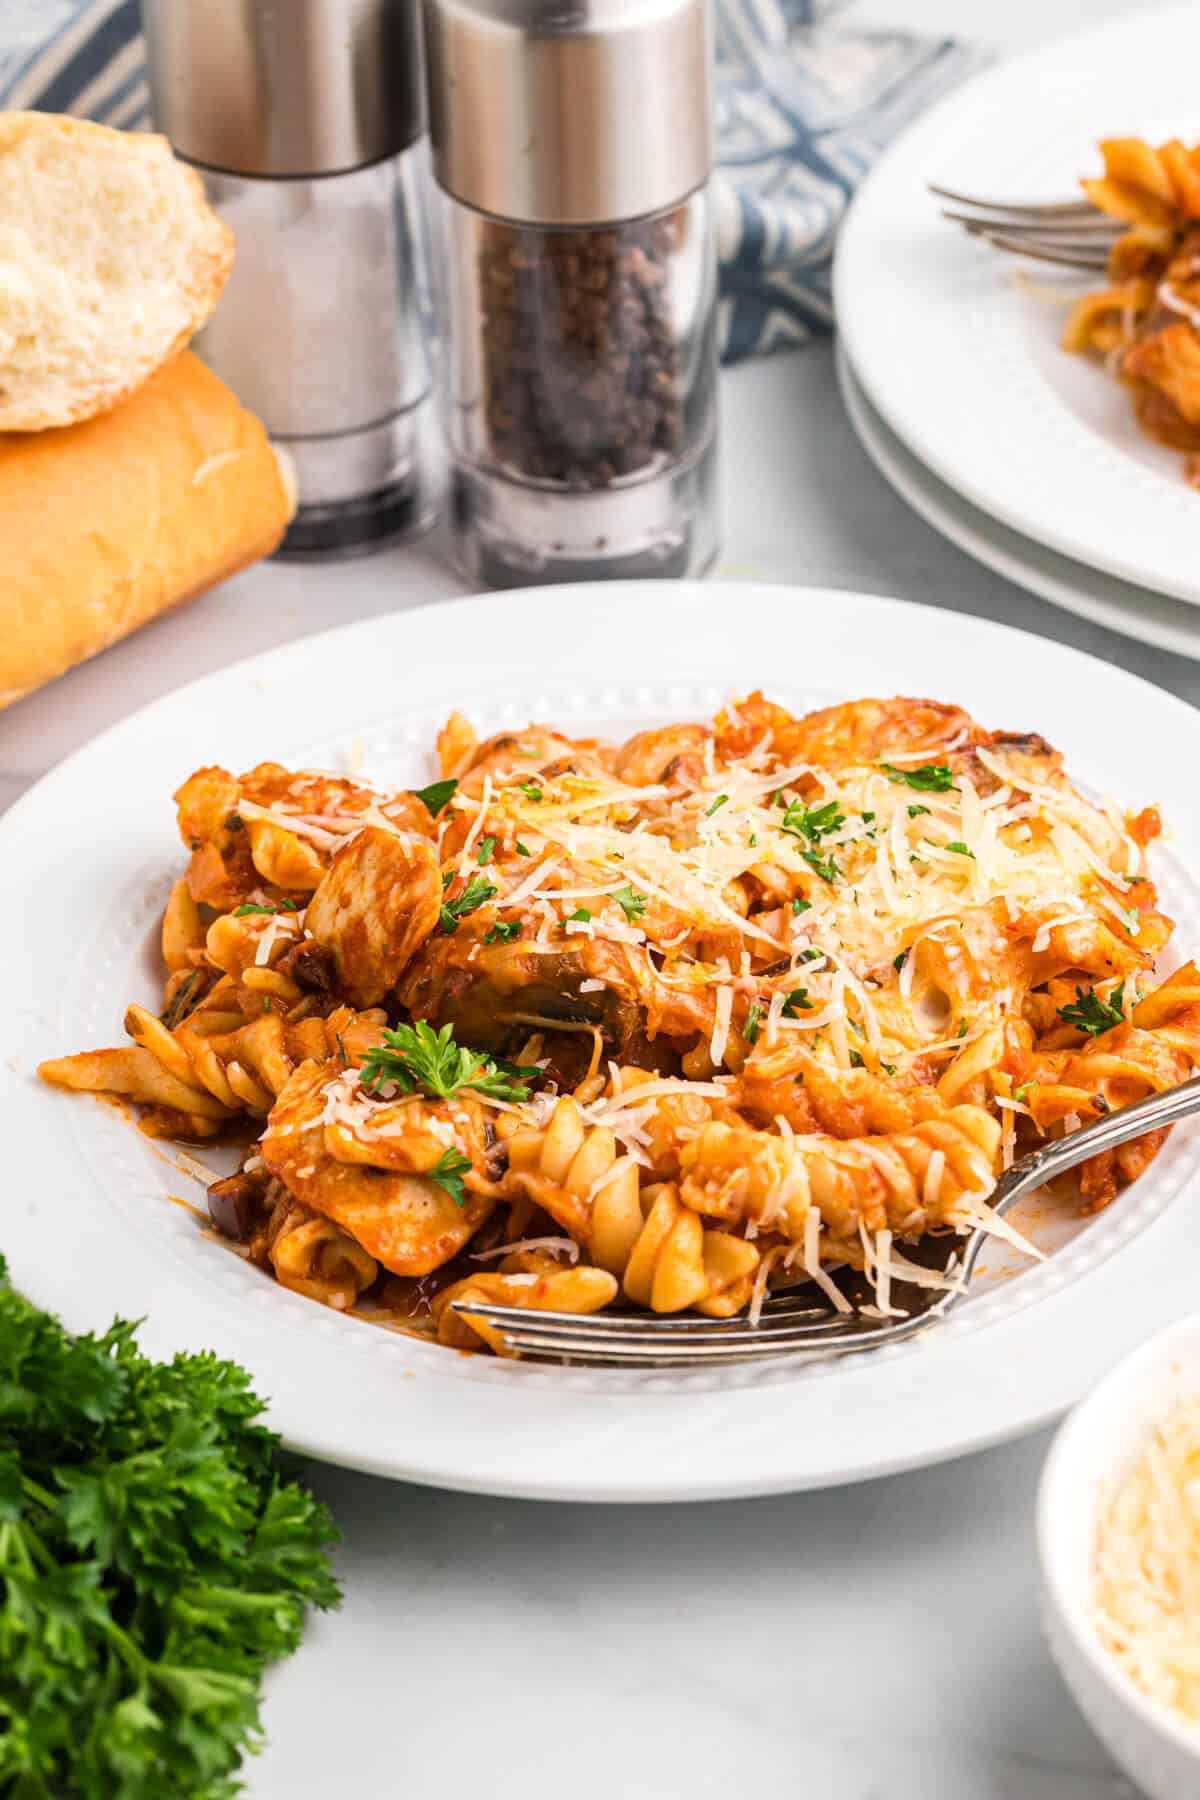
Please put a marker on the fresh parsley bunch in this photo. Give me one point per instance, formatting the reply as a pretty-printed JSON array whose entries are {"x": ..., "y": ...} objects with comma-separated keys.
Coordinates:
[{"x": 153, "y": 1562}]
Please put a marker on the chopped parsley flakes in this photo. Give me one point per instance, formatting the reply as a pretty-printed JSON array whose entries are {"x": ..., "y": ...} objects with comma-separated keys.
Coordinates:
[
  {"x": 632, "y": 904},
  {"x": 930, "y": 778},
  {"x": 477, "y": 893},
  {"x": 437, "y": 795},
  {"x": 1089, "y": 1013},
  {"x": 503, "y": 932}
]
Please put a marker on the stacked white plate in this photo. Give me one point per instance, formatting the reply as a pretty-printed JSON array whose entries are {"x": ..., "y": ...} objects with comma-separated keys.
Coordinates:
[{"x": 1027, "y": 457}]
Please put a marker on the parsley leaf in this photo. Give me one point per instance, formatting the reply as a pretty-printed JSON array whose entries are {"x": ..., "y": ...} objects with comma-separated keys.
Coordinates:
[
  {"x": 581, "y": 916},
  {"x": 797, "y": 1001},
  {"x": 521, "y": 850},
  {"x": 888, "y": 1068},
  {"x": 825, "y": 867},
  {"x": 252, "y": 906},
  {"x": 437, "y": 795},
  {"x": 532, "y": 790},
  {"x": 914, "y": 812},
  {"x": 960, "y": 849},
  {"x": 448, "y": 1172},
  {"x": 417, "y": 1056},
  {"x": 812, "y": 822},
  {"x": 477, "y": 893},
  {"x": 801, "y": 906},
  {"x": 898, "y": 961},
  {"x": 503, "y": 932},
  {"x": 750, "y": 1028},
  {"x": 487, "y": 848},
  {"x": 721, "y": 800},
  {"x": 856, "y": 1061},
  {"x": 632, "y": 904},
  {"x": 930, "y": 778},
  {"x": 154, "y": 1561},
  {"x": 1091, "y": 1014}
]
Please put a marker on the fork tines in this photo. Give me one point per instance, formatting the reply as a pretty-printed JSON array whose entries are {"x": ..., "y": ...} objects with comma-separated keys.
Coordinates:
[
  {"x": 617, "y": 1339},
  {"x": 1069, "y": 233}
]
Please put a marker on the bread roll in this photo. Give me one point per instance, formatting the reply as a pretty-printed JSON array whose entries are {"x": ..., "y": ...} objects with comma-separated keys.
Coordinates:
[
  {"x": 110, "y": 260},
  {"x": 106, "y": 524}
]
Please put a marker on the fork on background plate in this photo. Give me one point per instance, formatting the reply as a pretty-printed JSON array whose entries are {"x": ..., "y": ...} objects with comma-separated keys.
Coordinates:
[
  {"x": 808, "y": 1324},
  {"x": 1073, "y": 234}
]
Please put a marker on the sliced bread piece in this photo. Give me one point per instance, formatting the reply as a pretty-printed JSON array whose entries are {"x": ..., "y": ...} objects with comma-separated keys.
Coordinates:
[{"x": 110, "y": 259}]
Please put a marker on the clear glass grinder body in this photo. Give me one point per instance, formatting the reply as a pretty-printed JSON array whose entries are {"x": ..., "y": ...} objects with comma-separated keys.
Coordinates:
[
  {"x": 578, "y": 378},
  {"x": 307, "y": 124}
]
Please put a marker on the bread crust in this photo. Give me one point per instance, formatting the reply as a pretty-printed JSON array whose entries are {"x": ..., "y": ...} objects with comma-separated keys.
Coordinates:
[
  {"x": 108, "y": 523},
  {"x": 211, "y": 258}
]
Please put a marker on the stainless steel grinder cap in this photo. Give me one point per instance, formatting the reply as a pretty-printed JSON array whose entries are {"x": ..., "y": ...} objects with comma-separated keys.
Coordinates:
[
  {"x": 570, "y": 112},
  {"x": 285, "y": 87}
]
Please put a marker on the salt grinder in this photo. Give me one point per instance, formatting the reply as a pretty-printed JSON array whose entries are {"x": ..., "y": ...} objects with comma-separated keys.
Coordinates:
[
  {"x": 572, "y": 148},
  {"x": 306, "y": 120}
]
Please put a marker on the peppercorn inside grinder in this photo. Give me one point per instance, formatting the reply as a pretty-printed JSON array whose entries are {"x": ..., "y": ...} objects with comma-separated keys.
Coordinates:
[
  {"x": 572, "y": 149},
  {"x": 306, "y": 121}
]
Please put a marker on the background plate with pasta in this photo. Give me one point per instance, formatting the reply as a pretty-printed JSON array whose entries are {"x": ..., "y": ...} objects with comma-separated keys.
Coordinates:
[
  {"x": 958, "y": 347},
  {"x": 86, "y": 1215}
]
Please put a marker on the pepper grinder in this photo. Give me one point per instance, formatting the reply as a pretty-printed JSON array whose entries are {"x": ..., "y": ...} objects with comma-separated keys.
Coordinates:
[
  {"x": 572, "y": 150},
  {"x": 305, "y": 119}
]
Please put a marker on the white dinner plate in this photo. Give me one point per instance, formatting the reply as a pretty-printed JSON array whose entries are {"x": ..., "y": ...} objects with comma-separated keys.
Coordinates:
[
  {"x": 957, "y": 345},
  {"x": 85, "y": 1207},
  {"x": 1121, "y": 605}
]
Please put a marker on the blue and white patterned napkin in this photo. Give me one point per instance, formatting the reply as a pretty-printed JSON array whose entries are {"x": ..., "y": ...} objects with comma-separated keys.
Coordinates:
[{"x": 803, "y": 110}]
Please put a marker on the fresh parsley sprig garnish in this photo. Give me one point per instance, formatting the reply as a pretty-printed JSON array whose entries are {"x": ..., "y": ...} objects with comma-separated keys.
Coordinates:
[
  {"x": 448, "y": 1172},
  {"x": 437, "y": 795},
  {"x": 418, "y": 1057},
  {"x": 960, "y": 849},
  {"x": 1090, "y": 1014},
  {"x": 930, "y": 778},
  {"x": 477, "y": 893}
]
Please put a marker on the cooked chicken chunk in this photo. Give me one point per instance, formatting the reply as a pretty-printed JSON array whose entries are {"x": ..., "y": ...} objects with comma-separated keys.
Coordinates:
[{"x": 376, "y": 905}]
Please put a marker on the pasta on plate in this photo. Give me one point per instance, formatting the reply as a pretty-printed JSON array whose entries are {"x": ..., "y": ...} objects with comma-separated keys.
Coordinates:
[
  {"x": 1146, "y": 322},
  {"x": 669, "y": 1024}
]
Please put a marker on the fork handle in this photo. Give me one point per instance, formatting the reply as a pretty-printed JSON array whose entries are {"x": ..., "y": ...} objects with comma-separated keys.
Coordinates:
[{"x": 1043, "y": 1164}]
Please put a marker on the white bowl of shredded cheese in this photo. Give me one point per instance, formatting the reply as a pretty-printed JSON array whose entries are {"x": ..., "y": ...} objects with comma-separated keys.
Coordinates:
[{"x": 1119, "y": 1541}]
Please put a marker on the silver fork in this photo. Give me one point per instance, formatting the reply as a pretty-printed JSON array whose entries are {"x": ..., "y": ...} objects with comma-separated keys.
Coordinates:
[
  {"x": 1070, "y": 233},
  {"x": 801, "y": 1324}
]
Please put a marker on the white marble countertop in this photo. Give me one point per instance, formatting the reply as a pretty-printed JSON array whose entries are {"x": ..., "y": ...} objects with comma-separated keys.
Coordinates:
[{"x": 878, "y": 1643}]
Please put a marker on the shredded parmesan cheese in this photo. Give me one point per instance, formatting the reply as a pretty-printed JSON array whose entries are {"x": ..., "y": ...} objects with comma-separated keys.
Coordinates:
[{"x": 1146, "y": 1566}]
